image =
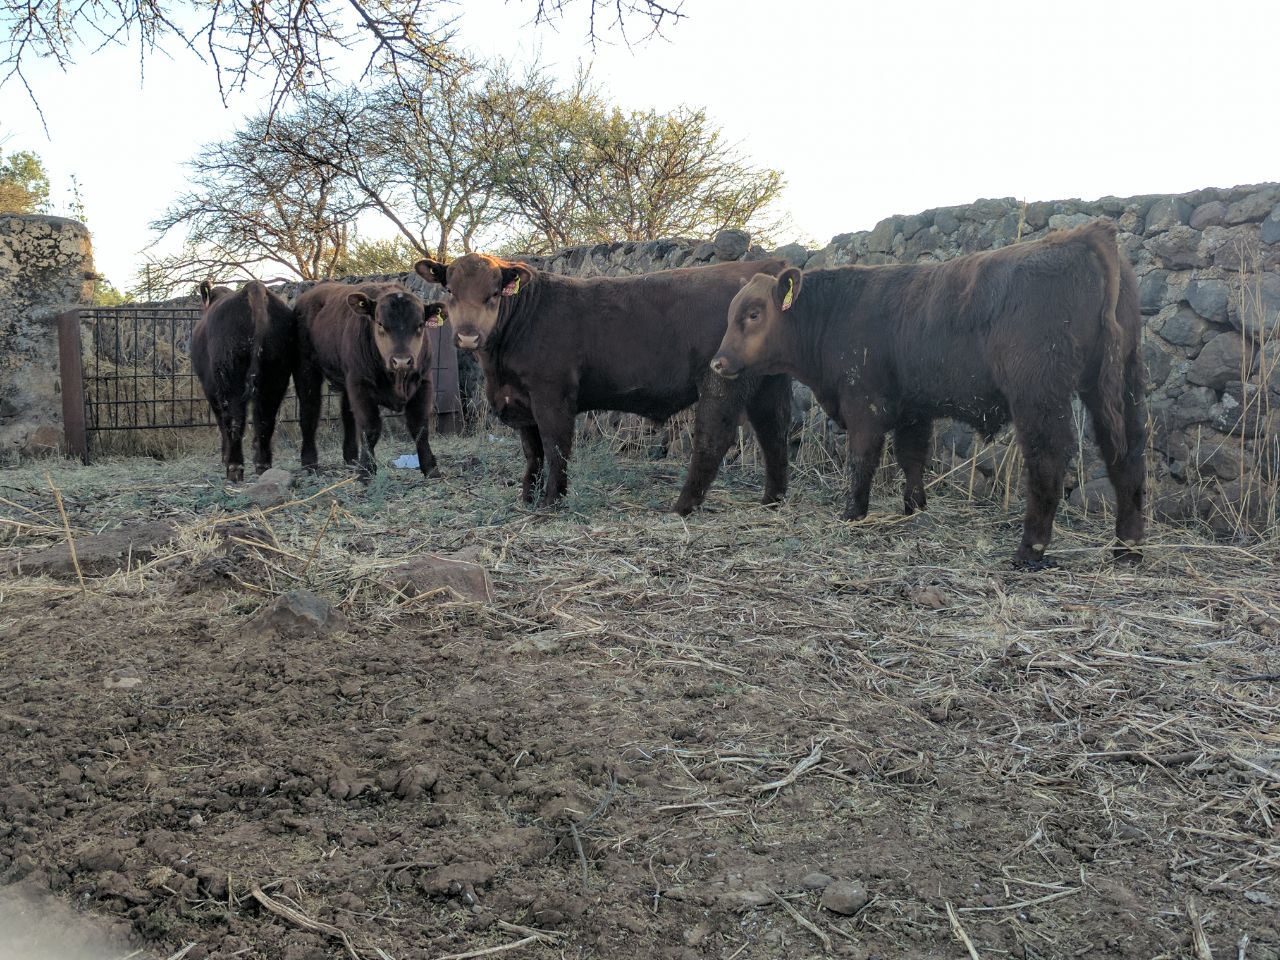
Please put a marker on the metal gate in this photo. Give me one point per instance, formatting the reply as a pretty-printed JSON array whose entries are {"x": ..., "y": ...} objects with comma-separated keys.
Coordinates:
[{"x": 129, "y": 368}]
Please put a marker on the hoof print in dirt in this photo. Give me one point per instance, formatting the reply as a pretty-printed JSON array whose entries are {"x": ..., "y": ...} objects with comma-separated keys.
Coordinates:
[
  {"x": 457, "y": 879},
  {"x": 300, "y": 612},
  {"x": 449, "y": 576}
]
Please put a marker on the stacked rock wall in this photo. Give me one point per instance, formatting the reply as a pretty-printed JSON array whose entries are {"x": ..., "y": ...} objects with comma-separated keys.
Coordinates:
[{"x": 46, "y": 268}]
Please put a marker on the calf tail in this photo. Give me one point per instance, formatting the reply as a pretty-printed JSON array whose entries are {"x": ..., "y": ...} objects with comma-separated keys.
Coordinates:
[
  {"x": 1101, "y": 238},
  {"x": 256, "y": 292}
]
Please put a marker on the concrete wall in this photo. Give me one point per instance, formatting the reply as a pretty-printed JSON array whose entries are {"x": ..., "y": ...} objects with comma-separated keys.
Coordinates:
[{"x": 46, "y": 267}]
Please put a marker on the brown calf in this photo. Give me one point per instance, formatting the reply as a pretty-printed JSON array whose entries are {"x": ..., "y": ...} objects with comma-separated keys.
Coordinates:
[
  {"x": 370, "y": 342},
  {"x": 1007, "y": 334},
  {"x": 553, "y": 346},
  {"x": 242, "y": 351}
]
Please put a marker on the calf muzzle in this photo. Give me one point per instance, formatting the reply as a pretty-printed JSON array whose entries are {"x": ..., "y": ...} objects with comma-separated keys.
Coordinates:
[{"x": 724, "y": 367}]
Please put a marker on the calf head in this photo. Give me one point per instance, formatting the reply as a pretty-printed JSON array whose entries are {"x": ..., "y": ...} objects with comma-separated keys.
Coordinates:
[
  {"x": 475, "y": 285},
  {"x": 399, "y": 322},
  {"x": 209, "y": 294},
  {"x": 755, "y": 341}
]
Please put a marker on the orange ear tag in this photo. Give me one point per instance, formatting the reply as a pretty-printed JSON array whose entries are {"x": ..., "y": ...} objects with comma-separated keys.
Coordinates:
[{"x": 786, "y": 300}]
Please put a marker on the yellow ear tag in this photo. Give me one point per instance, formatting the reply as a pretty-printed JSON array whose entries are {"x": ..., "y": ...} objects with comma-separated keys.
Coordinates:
[
  {"x": 786, "y": 300},
  {"x": 516, "y": 288}
]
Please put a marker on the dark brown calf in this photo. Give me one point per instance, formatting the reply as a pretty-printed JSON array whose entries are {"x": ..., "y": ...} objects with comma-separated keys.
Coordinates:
[
  {"x": 1007, "y": 334},
  {"x": 554, "y": 346},
  {"x": 370, "y": 342},
  {"x": 242, "y": 351}
]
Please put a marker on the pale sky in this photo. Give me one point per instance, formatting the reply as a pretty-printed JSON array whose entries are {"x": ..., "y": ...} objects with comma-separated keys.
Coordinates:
[{"x": 868, "y": 108}]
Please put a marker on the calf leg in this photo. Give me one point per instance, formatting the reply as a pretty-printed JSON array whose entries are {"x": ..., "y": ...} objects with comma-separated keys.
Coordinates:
[
  {"x": 865, "y": 442},
  {"x": 1046, "y": 437},
  {"x": 350, "y": 441},
  {"x": 1128, "y": 472},
  {"x": 533, "y": 461},
  {"x": 911, "y": 444},
  {"x": 417, "y": 413},
  {"x": 769, "y": 410},
  {"x": 368, "y": 422},
  {"x": 233, "y": 417},
  {"x": 266, "y": 407},
  {"x": 554, "y": 417},
  {"x": 308, "y": 384},
  {"x": 715, "y": 421}
]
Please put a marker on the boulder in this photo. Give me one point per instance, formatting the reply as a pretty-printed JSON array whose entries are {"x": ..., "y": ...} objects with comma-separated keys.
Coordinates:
[
  {"x": 299, "y": 612},
  {"x": 1165, "y": 213},
  {"x": 1180, "y": 326},
  {"x": 1209, "y": 299},
  {"x": 731, "y": 244},
  {"x": 1221, "y": 360},
  {"x": 1178, "y": 247},
  {"x": 1271, "y": 227},
  {"x": 1209, "y": 214},
  {"x": 271, "y": 489},
  {"x": 844, "y": 897}
]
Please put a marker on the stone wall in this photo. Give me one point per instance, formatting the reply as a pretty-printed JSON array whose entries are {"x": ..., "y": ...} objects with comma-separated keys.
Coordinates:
[
  {"x": 46, "y": 268},
  {"x": 1208, "y": 264}
]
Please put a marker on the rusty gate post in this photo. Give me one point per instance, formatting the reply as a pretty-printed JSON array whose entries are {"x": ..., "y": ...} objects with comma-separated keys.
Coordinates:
[{"x": 71, "y": 374}]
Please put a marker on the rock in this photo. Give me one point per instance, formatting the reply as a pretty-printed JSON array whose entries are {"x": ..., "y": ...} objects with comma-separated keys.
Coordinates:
[
  {"x": 299, "y": 611},
  {"x": 914, "y": 224},
  {"x": 815, "y": 881},
  {"x": 795, "y": 254},
  {"x": 731, "y": 244},
  {"x": 1165, "y": 213},
  {"x": 1217, "y": 455},
  {"x": 1158, "y": 363},
  {"x": 880, "y": 240},
  {"x": 98, "y": 554},
  {"x": 121, "y": 683},
  {"x": 946, "y": 221},
  {"x": 844, "y": 897},
  {"x": 1180, "y": 326},
  {"x": 1271, "y": 227},
  {"x": 455, "y": 578},
  {"x": 1181, "y": 506},
  {"x": 1178, "y": 247},
  {"x": 1094, "y": 496},
  {"x": 1209, "y": 298},
  {"x": 1065, "y": 221},
  {"x": 271, "y": 488},
  {"x": 1151, "y": 290},
  {"x": 1221, "y": 360},
  {"x": 1194, "y": 406},
  {"x": 1209, "y": 214},
  {"x": 703, "y": 252},
  {"x": 1258, "y": 313},
  {"x": 1252, "y": 208}
]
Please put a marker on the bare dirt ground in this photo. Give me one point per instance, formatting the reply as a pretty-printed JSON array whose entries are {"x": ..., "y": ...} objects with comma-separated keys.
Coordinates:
[{"x": 755, "y": 733}]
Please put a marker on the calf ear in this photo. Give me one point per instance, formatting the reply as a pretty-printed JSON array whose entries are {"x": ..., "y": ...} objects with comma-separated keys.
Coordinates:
[
  {"x": 431, "y": 271},
  {"x": 787, "y": 288},
  {"x": 514, "y": 278},
  {"x": 435, "y": 314},
  {"x": 206, "y": 292},
  {"x": 361, "y": 304}
]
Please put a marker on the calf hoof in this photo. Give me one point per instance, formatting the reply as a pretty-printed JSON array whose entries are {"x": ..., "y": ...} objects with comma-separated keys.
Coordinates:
[
  {"x": 235, "y": 474},
  {"x": 684, "y": 507},
  {"x": 853, "y": 516},
  {"x": 432, "y": 472},
  {"x": 1129, "y": 554},
  {"x": 772, "y": 499}
]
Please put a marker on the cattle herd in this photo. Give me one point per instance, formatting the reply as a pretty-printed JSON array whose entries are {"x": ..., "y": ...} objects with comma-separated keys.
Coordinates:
[{"x": 1008, "y": 335}]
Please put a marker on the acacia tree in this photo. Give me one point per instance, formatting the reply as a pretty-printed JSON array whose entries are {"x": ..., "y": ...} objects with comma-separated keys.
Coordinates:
[
  {"x": 568, "y": 168},
  {"x": 256, "y": 209}
]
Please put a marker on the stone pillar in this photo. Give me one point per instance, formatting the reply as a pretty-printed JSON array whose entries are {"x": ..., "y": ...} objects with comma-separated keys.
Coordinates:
[{"x": 46, "y": 268}]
